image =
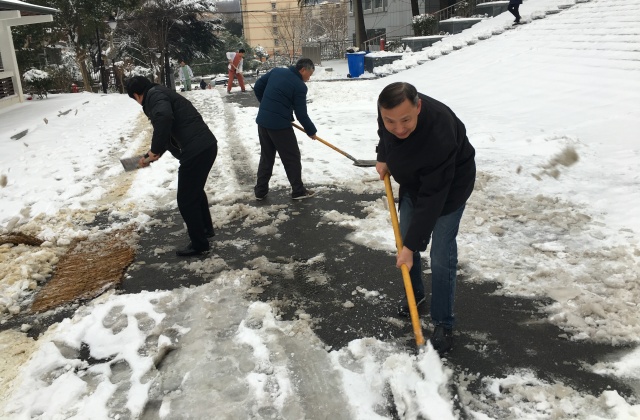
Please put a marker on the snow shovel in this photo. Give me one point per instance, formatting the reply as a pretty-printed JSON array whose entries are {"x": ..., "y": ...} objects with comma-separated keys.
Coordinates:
[
  {"x": 131, "y": 164},
  {"x": 356, "y": 162},
  {"x": 408, "y": 288}
]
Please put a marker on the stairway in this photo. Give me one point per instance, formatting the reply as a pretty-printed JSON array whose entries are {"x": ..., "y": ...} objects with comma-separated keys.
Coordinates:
[{"x": 612, "y": 31}]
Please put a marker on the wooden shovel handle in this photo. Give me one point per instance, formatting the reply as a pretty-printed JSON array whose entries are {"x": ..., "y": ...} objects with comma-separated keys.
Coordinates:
[
  {"x": 408, "y": 288},
  {"x": 326, "y": 143}
]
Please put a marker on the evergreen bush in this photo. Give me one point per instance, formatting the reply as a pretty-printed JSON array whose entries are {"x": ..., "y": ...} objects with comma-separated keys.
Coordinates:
[
  {"x": 38, "y": 82},
  {"x": 425, "y": 24}
]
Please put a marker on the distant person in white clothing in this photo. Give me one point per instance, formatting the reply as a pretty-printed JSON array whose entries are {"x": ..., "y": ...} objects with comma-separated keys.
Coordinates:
[
  {"x": 185, "y": 75},
  {"x": 235, "y": 69}
]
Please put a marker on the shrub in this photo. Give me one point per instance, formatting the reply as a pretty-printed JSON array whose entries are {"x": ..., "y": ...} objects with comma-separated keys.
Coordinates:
[
  {"x": 38, "y": 82},
  {"x": 261, "y": 52},
  {"x": 61, "y": 79},
  {"x": 425, "y": 24}
]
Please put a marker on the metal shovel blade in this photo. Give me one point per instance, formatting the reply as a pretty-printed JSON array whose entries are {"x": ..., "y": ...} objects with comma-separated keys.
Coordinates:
[
  {"x": 131, "y": 164},
  {"x": 364, "y": 163}
]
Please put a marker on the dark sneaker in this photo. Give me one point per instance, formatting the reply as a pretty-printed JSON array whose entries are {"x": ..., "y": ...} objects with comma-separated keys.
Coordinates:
[
  {"x": 307, "y": 194},
  {"x": 209, "y": 233},
  {"x": 261, "y": 197},
  {"x": 403, "y": 306},
  {"x": 189, "y": 251},
  {"x": 442, "y": 339}
]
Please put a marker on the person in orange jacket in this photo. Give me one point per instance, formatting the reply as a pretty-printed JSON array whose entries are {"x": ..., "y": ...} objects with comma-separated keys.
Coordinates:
[{"x": 235, "y": 69}]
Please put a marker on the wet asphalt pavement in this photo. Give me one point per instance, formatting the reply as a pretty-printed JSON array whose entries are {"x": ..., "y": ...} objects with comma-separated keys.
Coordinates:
[{"x": 495, "y": 335}]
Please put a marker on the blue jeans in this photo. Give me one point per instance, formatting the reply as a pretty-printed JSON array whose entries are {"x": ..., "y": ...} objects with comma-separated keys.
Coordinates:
[{"x": 444, "y": 261}]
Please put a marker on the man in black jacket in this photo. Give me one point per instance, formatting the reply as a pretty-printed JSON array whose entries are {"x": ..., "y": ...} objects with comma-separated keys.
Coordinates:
[
  {"x": 281, "y": 92},
  {"x": 179, "y": 128},
  {"x": 424, "y": 146},
  {"x": 513, "y": 8}
]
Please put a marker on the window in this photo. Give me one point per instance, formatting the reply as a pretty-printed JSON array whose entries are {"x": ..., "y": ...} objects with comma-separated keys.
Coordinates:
[
  {"x": 273, "y": 6},
  {"x": 275, "y": 30},
  {"x": 366, "y": 5},
  {"x": 377, "y": 4},
  {"x": 274, "y": 18},
  {"x": 276, "y": 42},
  {"x": 350, "y": 6},
  {"x": 6, "y": 88}
]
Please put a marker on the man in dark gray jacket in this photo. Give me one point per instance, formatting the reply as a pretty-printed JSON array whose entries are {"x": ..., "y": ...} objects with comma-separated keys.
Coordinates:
[
  {"x": 424, "y": 146},
  {"x": 179, "y": 128},
  {"x": 281, "y": 92}
]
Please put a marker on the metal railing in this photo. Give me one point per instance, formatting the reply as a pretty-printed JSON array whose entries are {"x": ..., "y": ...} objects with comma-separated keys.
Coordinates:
[
  {"x": 464, "y": 8},
  {"x": 330, "y": 50}
]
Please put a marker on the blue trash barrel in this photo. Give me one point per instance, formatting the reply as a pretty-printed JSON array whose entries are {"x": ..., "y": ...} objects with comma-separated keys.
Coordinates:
[{"x": 356, "y": 63}]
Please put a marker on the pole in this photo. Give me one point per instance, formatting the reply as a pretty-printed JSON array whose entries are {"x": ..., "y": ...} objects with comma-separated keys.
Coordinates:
[
  {"x": 101, "y": 63},
  {"x": 167, "y": 69}
]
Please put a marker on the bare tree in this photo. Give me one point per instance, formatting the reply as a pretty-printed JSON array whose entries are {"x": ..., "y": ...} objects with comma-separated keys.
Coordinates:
[
  {"x": 293, "y": 28},
  {"x": 332, "y": 21}
]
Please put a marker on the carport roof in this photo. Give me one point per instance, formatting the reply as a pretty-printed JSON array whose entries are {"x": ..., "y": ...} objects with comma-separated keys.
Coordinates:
[{"x": 30, "y": 9}]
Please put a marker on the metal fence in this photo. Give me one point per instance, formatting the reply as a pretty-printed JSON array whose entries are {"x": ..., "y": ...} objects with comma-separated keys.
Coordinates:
[{"x": 326, "y": 50}]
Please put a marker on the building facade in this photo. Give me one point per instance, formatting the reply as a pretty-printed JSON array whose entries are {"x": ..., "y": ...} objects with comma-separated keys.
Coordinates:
[
  {"x": 281, "y": 27},
  {"x": 261, "y": 21},
  {"x": 389, "y": 18}
]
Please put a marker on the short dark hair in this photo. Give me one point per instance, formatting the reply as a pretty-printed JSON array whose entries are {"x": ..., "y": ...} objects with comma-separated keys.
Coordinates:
[
  {"x": 241, "y": 50},
  {"x": 137, "y": 84},
  {"x": 396, "y": 93},
  {"x": 305, "y": 63}
]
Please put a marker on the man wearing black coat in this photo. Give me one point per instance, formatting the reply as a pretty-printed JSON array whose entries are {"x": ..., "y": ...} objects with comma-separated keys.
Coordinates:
[
  {"x": 281, "y": 92},
  {"x": 424, "y": 146},
  {"x": 513, "y": 8},
  {"x": 179, "y": 128}
]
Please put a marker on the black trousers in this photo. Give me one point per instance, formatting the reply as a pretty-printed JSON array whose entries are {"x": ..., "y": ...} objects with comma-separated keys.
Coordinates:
[
  {"x": 513, "y": 8},
  {"x": 192, "y": 200},
  {"x": 283, "y": 142}
]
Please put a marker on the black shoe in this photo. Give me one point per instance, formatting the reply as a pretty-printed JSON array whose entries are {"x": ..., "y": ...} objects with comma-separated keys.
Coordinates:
[
  {"x": 261, "y": 197},
  {"x": 209, "y": 233},
  {"x": 442, "y": 339},
  {"x": 189, "y": 251},
  {"x": 306, "y": 194},
  {"x": 403, "y": 306}
]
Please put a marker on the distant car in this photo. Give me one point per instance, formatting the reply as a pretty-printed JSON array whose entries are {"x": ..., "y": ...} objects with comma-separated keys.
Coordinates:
[{"x": 221, "y": 80}]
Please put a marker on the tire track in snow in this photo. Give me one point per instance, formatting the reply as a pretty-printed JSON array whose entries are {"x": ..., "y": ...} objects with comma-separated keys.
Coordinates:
[{"x": 242, "y": 168}]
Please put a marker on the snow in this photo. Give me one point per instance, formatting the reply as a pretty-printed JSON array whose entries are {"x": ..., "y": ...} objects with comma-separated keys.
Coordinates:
[
  {"x": 35, "y": 74},
  {"x": 553, "y": 111}
]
